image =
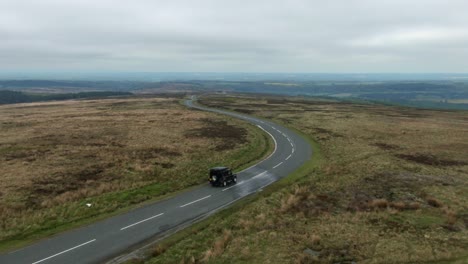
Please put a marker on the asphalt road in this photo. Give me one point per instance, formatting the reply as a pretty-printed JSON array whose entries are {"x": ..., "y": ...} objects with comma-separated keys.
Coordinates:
[{"x": 109, "y": 238}]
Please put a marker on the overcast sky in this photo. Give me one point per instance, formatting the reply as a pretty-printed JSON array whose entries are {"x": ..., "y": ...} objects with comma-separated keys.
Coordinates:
[{"x": 235, "y": 36}]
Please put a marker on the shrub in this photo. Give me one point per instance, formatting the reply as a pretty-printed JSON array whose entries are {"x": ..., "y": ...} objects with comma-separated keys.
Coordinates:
[
  {"x": 378, "y": 203},
  {"x": 433, "y": 202}
]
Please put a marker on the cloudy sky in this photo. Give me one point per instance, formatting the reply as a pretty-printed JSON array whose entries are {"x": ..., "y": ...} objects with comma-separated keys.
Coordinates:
[{"x": 235, "y": 36}]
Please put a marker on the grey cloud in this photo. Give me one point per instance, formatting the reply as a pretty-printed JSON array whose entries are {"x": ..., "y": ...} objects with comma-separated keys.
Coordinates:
[{"x": 286, "y": 36}]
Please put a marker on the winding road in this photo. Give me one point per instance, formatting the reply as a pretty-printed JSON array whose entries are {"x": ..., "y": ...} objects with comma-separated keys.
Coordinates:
[{"x": 106, "y": 240}]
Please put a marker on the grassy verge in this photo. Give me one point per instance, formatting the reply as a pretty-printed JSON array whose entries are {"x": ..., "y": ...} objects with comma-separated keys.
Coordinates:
[{"x": 147, "y": 167}]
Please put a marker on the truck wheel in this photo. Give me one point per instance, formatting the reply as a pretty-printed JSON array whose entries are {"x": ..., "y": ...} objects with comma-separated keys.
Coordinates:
[
  {"x": 224, "y": 183},
  {"x": 235, "y": 179}
]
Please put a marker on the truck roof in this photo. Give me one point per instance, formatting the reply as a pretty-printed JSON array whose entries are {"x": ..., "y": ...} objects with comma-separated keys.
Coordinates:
[{"x": 219, "y": 168}]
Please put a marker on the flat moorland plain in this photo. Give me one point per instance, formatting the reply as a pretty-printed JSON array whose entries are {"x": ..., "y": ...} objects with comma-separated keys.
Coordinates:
[
  {"x": 57, "y": 157},
  {"x": 391, "y": 187}
]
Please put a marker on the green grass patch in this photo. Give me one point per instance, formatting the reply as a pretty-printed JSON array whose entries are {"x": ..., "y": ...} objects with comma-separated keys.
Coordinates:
[{"x": 419, "y": 220}]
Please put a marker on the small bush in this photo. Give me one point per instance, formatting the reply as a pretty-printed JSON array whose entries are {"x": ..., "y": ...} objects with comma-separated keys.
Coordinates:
[
  {"x": 291, "y": 202},
  {"x": 451, "y": 216},
  {"x": 413, "y": 206},
  {"x": 378, "y": 203},
  {"x": 315, "y": 239},
  {"x": 158, "y": 250},
  {"x": 433, "y": 202},
  {"x": 400, "y": 206}
]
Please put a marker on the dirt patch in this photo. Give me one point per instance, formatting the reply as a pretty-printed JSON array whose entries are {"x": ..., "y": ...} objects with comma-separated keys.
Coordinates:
[
  {"x": 76, "y": 138},
  {"x": 276, "y": 101},
  {"x": 245, "y": 111},
  {"x": 401, "y": 190},
  {"x": 463, "y": 217},
  {"x": 119, "y": 104},
  {"x": 45, "y": 187},
  {"x": 322, "y": 134},
  {"x": 229, "y": 135},
  {"x": 399, "y": 113},
  {"x": 386, "y": 146},
  {"x": 326, "y": 131},
  {"x": 151, "y": 153},
  {"x": 305, "y": 202},
  {"x": 165, "y": 165},
  {"x": 432, "y": 160}
]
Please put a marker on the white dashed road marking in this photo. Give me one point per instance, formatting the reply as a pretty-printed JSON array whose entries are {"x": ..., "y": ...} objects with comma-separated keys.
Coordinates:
[
  {"x": 149, "y": 218},
  {"x": 277, "y": 165},
  {"x": 196, "y": 201},
  {"x": 80, "y": 245},
  {"x": 233, "y": 186}
]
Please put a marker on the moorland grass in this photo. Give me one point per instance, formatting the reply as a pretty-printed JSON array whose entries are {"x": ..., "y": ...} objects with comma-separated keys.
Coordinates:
[
  {"x": 113, "y": 154},
  {"x": 391, "y": 187}
]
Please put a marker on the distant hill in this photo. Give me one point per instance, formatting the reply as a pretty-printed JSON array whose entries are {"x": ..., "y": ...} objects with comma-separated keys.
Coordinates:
[
  {"x": 442, "y": 94},
  {"x": 13, "y": 97},
  {"x": 71, "y": 86}
]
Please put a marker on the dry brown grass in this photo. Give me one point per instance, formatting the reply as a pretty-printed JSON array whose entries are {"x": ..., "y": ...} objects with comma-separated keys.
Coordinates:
[
  {"x": 57, "y": 156},
  {"x": 392, "y": 189},
  {"x": 379, "y": 203},
  {"x": 434, "y": 202},
  {"x": 218, "y": 247},
  {"x": 158, "y": 250}
]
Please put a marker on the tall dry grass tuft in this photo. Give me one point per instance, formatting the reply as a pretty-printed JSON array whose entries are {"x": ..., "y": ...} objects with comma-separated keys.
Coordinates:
[
  {"x": 413, "y": 206},
  {"x": 400, "y": 206},
  {"x": 315, "y": 239},
  {"x": 245, "y": 224},
  {"x": 221, "y": 243},
  {"x": 158, "y": 250},
  {"x": 378, "y": 204},
  {"x": 207, "y": 256},
  {"x": 290, "y": 202},
  {"x": 294, "y": 200},
  {"x": 218, "y": 247},
  {"x": 434, "y": 202},
  {"x": 188, "y": 260},
  {"x": 451, "y": 216},
  {"x": 260, "y": 218}
]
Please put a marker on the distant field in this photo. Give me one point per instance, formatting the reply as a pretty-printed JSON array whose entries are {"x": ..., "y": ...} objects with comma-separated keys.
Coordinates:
[
  {"x": 445, "y": 93},
  {"x": 458, "y": 101},
  {"x": 283, "y": 84},
  {"x": 391, "y": 186},
  {"x": 56, "y": 157},
  {"x": 42, "y": 95}
]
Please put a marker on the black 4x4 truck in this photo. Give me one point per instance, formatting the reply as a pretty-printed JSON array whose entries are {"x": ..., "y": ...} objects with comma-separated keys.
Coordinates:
[{"x": 222, "y": 176}]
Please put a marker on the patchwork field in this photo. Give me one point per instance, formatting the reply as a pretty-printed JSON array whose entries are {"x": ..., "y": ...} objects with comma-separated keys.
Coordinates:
[
  {"x": 387, "y": 185},
  {"x": 68, "y": 163}
]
